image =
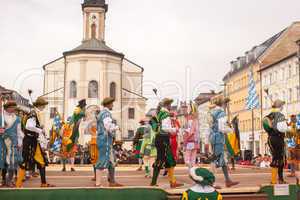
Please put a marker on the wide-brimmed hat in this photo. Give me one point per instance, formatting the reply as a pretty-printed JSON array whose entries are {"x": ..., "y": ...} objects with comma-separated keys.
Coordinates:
[
  {"x": 143, "y": 120},
  {"x": 40, "y": 101},
  {"x": 202, "y": 176},
  {"x": 107, "y": 101},
  {"x": 166, "y": 102},
  {"x": 82, "y": 103},
  {"x": 220, "y": 101},
  {"x": 278, "y": 103},
  {"x": 10, "y": 104}
]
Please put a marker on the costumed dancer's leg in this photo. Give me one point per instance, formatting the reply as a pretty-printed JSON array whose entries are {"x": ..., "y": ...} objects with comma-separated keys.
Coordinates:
[
  {"x": 21, "y": 176},
  {"x": 147, "y": 166},
  {"x": 140, "y": 168},
  {"x": 64, "y": 160},
  {"x": 111, "y": 174},
  {"x": 94, "y": 170},
  {"x": 151, "y": 163},
  {"x": 282, "y": 161},
  {"x": 99, "y": 173},
  {"x": 293, "y": 170},
  {"x": 219, "y": 150},
  {"x": 280, "y": 174},
  {"x": 274, "y": 175},
  {"x": 41, "y": 164},
  {"x": 10, "y": 178},
  {"x": 194, "y": 156},
  {"x": 3, "y": 174},
  {"x": 170, "y": 164},
  {"x": 112, "y": 177},
  {"x": 187, "y": 158},
  {"x": 232, "y": 163},
  {"x": 277, "y": 150},
  {"x": 72, "y": 161},
  {"x": 42, "y": 170},
  {"x": 160, "y": 159}
]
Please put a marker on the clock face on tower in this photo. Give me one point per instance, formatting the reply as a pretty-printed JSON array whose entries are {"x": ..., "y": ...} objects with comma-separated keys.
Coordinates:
[{"x": 93, "y": 18}]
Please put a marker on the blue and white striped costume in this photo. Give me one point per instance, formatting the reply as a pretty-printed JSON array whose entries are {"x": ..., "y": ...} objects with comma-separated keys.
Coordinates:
[{"x": 105, "y": 136}]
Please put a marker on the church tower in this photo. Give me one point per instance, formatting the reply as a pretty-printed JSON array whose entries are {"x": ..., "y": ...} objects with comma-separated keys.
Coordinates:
[{"x": 94, "y": 12}]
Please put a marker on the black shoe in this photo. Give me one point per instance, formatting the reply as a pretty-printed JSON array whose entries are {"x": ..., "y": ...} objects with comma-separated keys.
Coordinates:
[
  {"x": 64, "y": 169},
  {"x": 165, "y": 173},
  {"x": 72, "y": 169}
]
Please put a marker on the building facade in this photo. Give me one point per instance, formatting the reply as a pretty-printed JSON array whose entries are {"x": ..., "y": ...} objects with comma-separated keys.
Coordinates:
[
  {"x": 236, "y": 88},
  {"x": 280, "y": 72},
  {"x": 93, "y": 71}
]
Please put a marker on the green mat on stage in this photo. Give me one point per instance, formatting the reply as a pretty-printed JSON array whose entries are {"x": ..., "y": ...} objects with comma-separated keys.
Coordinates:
[
  {"x": 294, "y": 191},
  {"x": 83, "y": 194}
]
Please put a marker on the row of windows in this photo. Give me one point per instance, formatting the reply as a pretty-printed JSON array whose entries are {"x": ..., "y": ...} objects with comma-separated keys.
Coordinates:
[
  {"x": 240, "y": 83},
  {"x": 93, "y": 89},
  {"x": 281, "y": 74},
  {"x": 246, "y": 125}
]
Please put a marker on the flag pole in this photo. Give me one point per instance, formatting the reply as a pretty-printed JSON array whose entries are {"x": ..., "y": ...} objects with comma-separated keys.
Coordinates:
[{"x": 253, "y": 134}]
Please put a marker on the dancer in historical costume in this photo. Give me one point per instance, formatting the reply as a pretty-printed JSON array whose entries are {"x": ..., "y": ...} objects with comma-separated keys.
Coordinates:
[
  {"x": 94, "y": 154},
  {"x": 137, "y": 143},
  {"x": 10, "y": 144},
  {"x": 148, "y": 150},
  {"x": 191, "y": 138},
  {"x": 233, "y": 142},
  {"x": 219, "y": 129},
  {"x": 174, "y": 135},
  {"x": 203, "y": 188},
  {"x": 292, "y": 136},
  {"x": 71, "y": 135},
  {"x": 34, "y": 145},
  {"x": 276, "y": 126},
  {"x": 165, "y": 157},
  {"x": 106, "y": 131}
]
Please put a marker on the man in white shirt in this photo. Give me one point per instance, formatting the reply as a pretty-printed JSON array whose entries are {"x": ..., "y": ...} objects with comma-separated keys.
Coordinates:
[
  {"x": 165, "y": 158},
  {"x": 34, "y": 145},
  {"x": 276, "y": 126}
]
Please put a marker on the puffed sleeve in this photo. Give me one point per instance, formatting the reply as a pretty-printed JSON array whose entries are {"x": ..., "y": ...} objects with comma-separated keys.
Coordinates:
[
  {"x": 223, "y": 125},
  {"x": 109, "y": 125},
  {"x": 20, "y": 135},
  {"x": 166, "y": 125},
  {"x": 31, "y": 126}
]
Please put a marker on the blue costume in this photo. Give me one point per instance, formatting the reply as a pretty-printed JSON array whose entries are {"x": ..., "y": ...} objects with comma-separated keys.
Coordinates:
[
  {"x": 217, "y": 138},
  {"x": 10, "y": 138},
  {"x": 10, "y": 153},
  {"x": 105, "y": 139},
  {"x": 219, "y": 129}
]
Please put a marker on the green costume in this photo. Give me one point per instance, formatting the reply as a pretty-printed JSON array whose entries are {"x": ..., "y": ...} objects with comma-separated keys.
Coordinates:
[
  {"x": 148, "y": 142},
  {"x": 137, "y": 141},
  {"x": 200, "y": 195},
  {"x": 203, "y": 189}
]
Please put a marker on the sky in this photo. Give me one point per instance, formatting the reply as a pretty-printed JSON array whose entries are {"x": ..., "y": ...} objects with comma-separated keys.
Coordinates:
[{"x": 185, "y": 46}]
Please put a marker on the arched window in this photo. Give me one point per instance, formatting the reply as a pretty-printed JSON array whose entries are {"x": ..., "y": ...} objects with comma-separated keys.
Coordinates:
[
  {"x": 93, "y": 89},
  {"x": 93, "y": 28},
  {"x": 112, "y": 90},
  {"x": 73, "y": 89}
]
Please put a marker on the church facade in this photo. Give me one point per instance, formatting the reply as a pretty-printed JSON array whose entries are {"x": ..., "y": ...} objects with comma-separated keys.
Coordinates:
[{"x": 93, "y": 71}]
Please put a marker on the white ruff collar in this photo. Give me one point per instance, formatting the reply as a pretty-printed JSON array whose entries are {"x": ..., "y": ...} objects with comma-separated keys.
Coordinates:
[{"x": 203, "y": 189}]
